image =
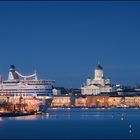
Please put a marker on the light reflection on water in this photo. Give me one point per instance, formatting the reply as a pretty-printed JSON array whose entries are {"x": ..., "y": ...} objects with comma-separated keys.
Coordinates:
[
  {"x": 90, "y": 114},
  {"x": 29, "y": 117},
  {"x": 81, "y": 114},
  {"x": 74, "y": 114},
  {"x": 75, "y": 123}
]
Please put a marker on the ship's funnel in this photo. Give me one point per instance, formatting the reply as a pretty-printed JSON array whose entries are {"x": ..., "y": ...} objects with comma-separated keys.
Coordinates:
[
  {"x": 12, "y": 74},
  {"x": 12, "y": 67}
]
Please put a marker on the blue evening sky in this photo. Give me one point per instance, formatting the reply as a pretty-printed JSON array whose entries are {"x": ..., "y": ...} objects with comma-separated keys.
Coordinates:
[{"x": 64, "y": 40}]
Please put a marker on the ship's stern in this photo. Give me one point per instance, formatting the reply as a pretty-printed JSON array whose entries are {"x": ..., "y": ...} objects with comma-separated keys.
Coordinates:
[{"x": 45, "y": 104}]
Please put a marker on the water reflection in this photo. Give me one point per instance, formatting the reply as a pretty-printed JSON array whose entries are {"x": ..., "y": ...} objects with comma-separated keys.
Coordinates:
[
  {"x": 28, "y": 117},
  {"x": 90, "y": 113},
  {"x": 81, "y": 114},
  {"x": 130, "y": 128},
  {"x": 130, "y": 131},
  {"x": 1, "y": 119},
  {"x": 61, "y": 124},
  {"x": 105, "y": 123}
]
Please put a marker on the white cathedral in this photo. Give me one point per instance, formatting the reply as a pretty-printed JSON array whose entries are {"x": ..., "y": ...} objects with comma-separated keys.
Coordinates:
[{"x": 97, "y": 85}]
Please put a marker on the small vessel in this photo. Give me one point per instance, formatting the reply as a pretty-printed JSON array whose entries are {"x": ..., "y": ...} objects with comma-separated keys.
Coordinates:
[{"x": 26, "y": 92}]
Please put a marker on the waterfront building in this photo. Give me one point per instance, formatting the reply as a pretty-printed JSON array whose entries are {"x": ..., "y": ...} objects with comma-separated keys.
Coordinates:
[
  {"x": 59, "y": 91},
  {"x": 74, "y": 91},
  {"x": 98, "y": 84},
  {"x": 56, "y": 91},
  {"x": 66, "y": 91},
  {"x": 61, "y": 101}
]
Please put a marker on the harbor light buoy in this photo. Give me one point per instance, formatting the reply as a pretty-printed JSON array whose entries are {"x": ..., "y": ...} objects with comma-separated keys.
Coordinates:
[{"x": 130, "y": 128}]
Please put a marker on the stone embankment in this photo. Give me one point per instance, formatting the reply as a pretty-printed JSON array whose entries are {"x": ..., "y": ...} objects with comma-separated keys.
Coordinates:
[{"x": 95, "y": 101}]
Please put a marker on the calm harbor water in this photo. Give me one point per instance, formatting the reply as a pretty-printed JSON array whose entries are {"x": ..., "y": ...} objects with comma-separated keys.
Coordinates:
[{"x": 74, "y": 123}]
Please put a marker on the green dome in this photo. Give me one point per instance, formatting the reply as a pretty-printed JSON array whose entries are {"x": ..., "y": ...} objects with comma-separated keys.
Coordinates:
[{"x": 99, "y": 67}]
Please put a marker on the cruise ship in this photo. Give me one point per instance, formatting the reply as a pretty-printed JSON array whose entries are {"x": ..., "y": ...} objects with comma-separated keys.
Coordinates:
[{"x": 28, "y": 89}]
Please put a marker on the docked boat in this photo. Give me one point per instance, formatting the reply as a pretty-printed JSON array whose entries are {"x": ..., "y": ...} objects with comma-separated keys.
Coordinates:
[{"x": 27, "y": 92}]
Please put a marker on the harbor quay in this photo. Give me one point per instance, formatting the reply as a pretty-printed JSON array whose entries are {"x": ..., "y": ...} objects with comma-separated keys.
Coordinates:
[
  {"x": 12, "y": 105},
  {"x": 95, "y": 101}
]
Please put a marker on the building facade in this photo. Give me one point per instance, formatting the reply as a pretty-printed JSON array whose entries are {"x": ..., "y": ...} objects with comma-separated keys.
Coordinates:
[{"x": 97, "y": 85}]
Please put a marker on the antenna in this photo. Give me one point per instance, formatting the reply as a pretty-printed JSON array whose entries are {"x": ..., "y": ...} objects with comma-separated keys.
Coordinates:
[
  {"x": 35, "y": 72},
  {"x": 98, "y": 62}
]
